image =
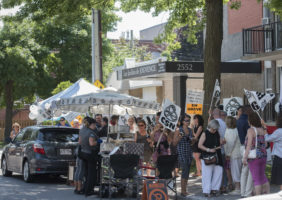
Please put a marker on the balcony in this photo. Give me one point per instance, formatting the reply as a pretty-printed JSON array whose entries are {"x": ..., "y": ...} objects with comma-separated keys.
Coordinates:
[{"x": 263, "y": 42}]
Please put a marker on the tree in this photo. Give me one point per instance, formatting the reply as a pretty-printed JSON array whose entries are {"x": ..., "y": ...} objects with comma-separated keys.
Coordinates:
[
  {"x": 61, "y": 87},
  {"x": 122, "y": 50},
  {"x": 194, "y": 14},
  {"x": 18, "y": 65},
  {"x": 275, "y": 6}
]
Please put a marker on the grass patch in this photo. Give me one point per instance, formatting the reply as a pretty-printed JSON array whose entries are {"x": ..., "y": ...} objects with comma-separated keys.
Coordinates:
[
  {"x": 268, "y": 171},
  {"x": 2, "y": 144}
]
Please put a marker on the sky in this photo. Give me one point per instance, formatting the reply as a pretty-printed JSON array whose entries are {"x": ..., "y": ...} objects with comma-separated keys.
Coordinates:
[{"x": 136, "y": 21}]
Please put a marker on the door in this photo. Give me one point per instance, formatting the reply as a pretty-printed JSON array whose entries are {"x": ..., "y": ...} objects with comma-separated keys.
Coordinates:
[
  {"x": 11, "y": 155},
  {"x": 20, "y": 149}
]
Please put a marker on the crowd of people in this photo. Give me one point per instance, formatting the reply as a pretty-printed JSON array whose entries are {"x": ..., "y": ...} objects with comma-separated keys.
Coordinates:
[{"x": 221, "y": 152}]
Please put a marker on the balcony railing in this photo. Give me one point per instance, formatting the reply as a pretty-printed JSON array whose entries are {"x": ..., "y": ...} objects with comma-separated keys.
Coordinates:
[{"x": 262, "y": 39}]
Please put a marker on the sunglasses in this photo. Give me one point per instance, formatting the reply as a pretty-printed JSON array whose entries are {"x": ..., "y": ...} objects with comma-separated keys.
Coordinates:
[
  {"x": 141, "y": 125},
  {"x": 62, "y": 120},
  {"x": 186, "y": 120}
]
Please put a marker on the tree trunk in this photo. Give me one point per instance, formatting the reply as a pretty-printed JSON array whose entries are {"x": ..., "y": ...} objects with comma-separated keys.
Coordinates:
[
  {"x": 9, "y": 109},
  {"x": 212, "y": 51}
]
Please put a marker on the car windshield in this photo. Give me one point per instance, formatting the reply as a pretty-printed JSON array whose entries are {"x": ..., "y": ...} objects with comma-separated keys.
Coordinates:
[{"x": 64, "y": 135}]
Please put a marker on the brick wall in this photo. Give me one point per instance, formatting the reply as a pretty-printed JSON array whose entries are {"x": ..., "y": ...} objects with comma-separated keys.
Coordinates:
[{"x": 249, "y": 15}]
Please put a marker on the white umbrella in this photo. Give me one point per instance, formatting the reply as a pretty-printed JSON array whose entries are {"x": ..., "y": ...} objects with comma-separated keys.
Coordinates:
[{"x": 99, "y": 101}]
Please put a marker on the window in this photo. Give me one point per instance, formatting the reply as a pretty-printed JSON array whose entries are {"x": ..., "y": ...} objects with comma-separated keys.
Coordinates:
[
  {"x": 19, "y": 137},
  {"x": 27, "y": 135},
  {"x": 59, "y": 135}
]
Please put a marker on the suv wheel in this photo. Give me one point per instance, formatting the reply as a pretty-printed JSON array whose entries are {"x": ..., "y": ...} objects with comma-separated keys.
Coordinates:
[
  {"x": 4, "y": 168},
  {"x": 26, "y": 172}
]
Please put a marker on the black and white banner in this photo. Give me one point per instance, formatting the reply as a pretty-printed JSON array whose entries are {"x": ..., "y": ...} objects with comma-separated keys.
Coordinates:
[
  {"x": 170, "y": 115},
  {"x": 258, "y": 100},
  {"x": 231, "y": 105},
  {"x": 216, "y": 94}
]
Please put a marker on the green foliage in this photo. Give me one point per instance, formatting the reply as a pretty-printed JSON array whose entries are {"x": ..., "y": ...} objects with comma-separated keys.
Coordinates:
[
  {"x": 18, "y": 52},
  {"x": 121, "y": 50},
  {"x": 61, "y": 86},
  {"x": 275, "y": 6}
]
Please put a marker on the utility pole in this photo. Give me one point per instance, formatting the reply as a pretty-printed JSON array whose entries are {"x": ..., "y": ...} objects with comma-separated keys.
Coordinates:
[
  {"x": 93, "y": 45},
  {"x": 96, "y": 46}
]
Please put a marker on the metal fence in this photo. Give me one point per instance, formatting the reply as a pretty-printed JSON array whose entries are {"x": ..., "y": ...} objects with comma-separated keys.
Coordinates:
[{"x": 262, "y": 39}]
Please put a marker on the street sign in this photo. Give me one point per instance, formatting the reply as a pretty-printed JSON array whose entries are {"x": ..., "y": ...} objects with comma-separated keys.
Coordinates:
[{"x": 98, "y": 84}]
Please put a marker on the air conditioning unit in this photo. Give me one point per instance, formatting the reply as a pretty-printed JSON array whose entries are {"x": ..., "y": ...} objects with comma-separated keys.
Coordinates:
[{"x": 265, "y": 20}]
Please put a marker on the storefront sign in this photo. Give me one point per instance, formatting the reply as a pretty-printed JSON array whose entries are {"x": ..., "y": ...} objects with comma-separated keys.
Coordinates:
[
  {"x": 194, "y": 102},
  {"x": 143, "y": 70},
  {"x": 186, "y": 67},
  {"x": 170, "y": 115}
]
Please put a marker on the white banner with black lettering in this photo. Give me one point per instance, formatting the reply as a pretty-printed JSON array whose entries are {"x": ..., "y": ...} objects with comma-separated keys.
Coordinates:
[
  {"x": 258, "y": 100},
  {"x": 231, "y": 105},
  {"x": 170, "y": 115}
]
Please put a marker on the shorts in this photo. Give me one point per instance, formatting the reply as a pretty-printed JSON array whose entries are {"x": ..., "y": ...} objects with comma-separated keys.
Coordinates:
[{"x": 80, "y": 170}]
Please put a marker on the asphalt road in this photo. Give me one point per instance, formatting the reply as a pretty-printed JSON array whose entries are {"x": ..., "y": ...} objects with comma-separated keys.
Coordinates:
[{"x": 48, "y": 188}]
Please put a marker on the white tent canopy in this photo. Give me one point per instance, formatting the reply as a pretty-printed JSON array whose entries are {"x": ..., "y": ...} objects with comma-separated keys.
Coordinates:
[
  {"x": 101, "y": 100},
  {"x": 43, "y": 109}
]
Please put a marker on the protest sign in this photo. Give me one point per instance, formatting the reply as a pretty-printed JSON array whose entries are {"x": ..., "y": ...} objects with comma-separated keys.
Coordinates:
[
  {"x": 215, "y": 95},
  {"x": 154, "y": 190},
  {"x": 170, "y": 115},
  {"x": 231, "y": 105},
  {"x": 194, "y": 102},
  {"x": 258, "y": 100}
]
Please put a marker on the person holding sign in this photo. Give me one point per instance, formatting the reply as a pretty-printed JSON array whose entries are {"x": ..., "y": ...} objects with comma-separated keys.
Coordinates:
[
  {"x": 159, "y": 138},
  {"x": 183, "y": 138}
]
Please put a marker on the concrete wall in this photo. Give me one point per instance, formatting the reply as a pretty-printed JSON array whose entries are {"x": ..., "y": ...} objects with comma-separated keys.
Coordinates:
[
  {"x": 136, "y": 93},
  {"x": 168, "y": 89},
  {"x": 233, "y": 84},
  {"x": 150, "y": 93}
]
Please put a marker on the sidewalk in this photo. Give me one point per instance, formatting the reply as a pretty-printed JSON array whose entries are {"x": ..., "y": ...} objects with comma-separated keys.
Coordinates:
[{"x": 195, "y": 189}]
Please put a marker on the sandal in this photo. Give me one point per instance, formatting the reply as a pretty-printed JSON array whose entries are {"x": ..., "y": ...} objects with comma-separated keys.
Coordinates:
[{"x": 230, "y": 187}]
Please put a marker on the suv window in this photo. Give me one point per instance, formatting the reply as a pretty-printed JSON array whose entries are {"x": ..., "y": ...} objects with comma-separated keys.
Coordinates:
[
  {"x": 19, "y": 136},
  {"x": 27, "y": 135},
  {"x": 59, "y": 135}
]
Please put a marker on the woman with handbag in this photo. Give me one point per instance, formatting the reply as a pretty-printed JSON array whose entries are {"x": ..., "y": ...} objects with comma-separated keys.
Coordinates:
[
  {"x": 211, "y": 159},
  {"x": 255, "y": 154},
  {"x": 89, "y": 153}
]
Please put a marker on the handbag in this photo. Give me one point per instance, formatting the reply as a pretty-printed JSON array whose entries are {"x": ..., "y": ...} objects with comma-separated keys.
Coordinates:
[
  {"x": 252, "y": 153},
  {"x": 210, "y": 159}
]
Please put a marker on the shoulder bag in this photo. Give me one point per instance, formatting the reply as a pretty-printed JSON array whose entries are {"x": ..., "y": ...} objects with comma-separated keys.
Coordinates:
[{"x": 210, "y": 158}]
